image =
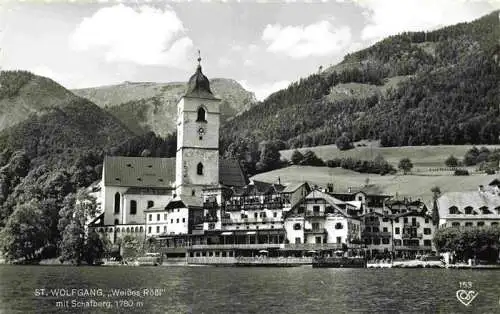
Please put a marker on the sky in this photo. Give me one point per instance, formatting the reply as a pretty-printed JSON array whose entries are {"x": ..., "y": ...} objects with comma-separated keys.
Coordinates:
[{"x": 261, "y": 44}]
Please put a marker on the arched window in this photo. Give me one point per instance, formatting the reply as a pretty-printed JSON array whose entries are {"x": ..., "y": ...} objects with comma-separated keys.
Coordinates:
[
  {"x": 117, "y": 203},
  {"x": 297, "y": 227},
  {"x": 338, "y": 225},
  {"x": 133, "y": 207},
  {"x": 151, "y": 204},
  {"x": 116, "y": 221},
  {"x": 201, "y": 115},
  {"x": 199, "y": 169},
  {"x": 453, "y": 210}
]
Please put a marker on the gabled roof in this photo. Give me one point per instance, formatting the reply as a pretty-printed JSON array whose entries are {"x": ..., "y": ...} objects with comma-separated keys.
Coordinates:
[
  {"x": 461, "y": 200},
  {"x": 336, "y": 203},
  {"x": 294, "y": 187},
  {"x": 175, "y": 203},
  {"x": 160, "y": 172}
]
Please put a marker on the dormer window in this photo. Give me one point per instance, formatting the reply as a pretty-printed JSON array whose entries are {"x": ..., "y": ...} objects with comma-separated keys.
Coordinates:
[
  {"x": 201, "y": 115},
  {"x": 199, "y": 169}
]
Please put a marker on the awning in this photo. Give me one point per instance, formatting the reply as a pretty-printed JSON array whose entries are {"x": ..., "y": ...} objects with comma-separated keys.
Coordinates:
[
  {"x": 251, "y": 232},
  {"x": 227, "y": 233}
]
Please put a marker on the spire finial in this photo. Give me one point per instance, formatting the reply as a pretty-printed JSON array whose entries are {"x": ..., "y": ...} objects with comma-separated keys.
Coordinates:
[{"x": 199, "y": 57}]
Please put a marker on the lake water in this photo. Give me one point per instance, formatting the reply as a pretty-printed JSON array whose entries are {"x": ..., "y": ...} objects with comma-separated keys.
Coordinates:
[{"x": 244, "y": 290}]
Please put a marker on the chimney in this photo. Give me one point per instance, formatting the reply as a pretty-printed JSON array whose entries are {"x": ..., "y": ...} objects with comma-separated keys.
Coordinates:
[
  {"x": 279, "y": 180},
  {"x": 349, "y": 189}
]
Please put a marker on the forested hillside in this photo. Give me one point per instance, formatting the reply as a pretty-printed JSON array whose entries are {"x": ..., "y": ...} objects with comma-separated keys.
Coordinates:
[{"x": 448, "y": 93}]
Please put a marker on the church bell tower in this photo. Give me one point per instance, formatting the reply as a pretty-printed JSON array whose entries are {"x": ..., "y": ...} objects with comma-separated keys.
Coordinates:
[{"x": 198, "y": 122}]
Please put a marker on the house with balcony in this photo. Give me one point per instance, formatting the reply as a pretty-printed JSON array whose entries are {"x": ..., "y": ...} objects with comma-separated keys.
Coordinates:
[
  {"x": 376, "y": 233},
  {"x": 321, "y": 222},
  {"x": 479, "y": 208},
  {"x": 369, "y": 197},
  {"x": 412, "y": 228}
]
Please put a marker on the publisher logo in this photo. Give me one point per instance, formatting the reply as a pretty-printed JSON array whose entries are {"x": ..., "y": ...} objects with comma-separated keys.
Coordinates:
[{"x": 466, "y": 296}]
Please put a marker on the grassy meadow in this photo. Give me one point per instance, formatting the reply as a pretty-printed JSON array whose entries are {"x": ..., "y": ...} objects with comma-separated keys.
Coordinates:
[
  {"x": 421, "y": 156},
  {"x": 410, "y": 186}
]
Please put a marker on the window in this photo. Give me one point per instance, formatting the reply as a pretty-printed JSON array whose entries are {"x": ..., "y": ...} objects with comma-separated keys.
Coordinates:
[
  {"x": 201, "y": 115},
  {"x": 171, "y": 221},
  {"x": 360, "y": 198},
  {"x": 199, "y": 169},
  {"x": 427, "y": 230},
  {"x": 427, "y": 243},
  {"x": 133, "y": 207},
  {"x": 385, "y": 229},
  {"x": 426, "y": 220},
  {"x": 453, "y": 210},
  {"x": 192, "y": 192},
  {"x": 405, "y": 220},
  {"x": 368, "y": 229},
  {"x": 316, "y": 209},
  {"x": 149, "y": 229},
  {"x": 177, "y": 220},
  {"x": 338, "y": 225},
  {"x": 339, "y": 240},
  {"x": 297, "y": 240},
  {"x": 165, "y": 217},
  {"x": 397, "y": 242},
  {"x": 375, "y": 229},
  {"x": 297, "y": 227},
  {"x": 480, "y": 223},
  {"x": 468, "y": 210},
  {"x": 494, "y": 223},
  {"x": 157, "y": 229},
  {"x": 455, "y": 224},
  {"x": 396, "y": 220},
  {"x": 414, "y": 221},
  {"x": 397, "y": 230},
  {"x": 385, "y": 241},
  {"x": 315, "y": 226},
  {"x": 151, "y": 204},
  {"x": 385, "y": 219},
  {"x": 157, "y": 217},
  {"x": 116, "y": 221},
  {"x": 318, "y": 240},
  {"x": 150, "y": 217},
  {"x": 469, "y": 224},
  {"x": 275, "y": 214},
  {"x": 376, "y": 241},
  {"x": 255, "y": 215},
  {"x": 183, "y": 219},
  {"x": 117, "y": 203}
]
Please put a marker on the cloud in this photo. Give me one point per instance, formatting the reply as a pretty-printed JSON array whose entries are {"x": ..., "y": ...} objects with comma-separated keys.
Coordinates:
[
  {"x": 261, "y": 91},
  {"x": 391, "y": 17},
  {"x": 146, "y": 36},
  {"x": 318, "y": 39}
]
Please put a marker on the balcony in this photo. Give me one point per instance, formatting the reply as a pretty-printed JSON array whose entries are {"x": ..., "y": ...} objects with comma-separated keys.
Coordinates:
[
  {"x": 251, "y": 220},
  {"x": 411, "y": 225},
  {"x": 372, "y": 222},
  {"x": 376, "y": 234},
  {"x": 412, "y": 236},
  {"x": 235, "y": 246},
  {"x": 314, "y": 214},
  {"x": 315, "y": 231},
  {"x": 313, "y": 246},
  {"x": 210, "y": 205},
  {"x": 210, "y": 219}
]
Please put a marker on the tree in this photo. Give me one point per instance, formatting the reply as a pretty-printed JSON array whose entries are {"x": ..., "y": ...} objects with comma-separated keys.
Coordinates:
[
  {"x": 269, "y": 158},
  {"x": 343, "y": 142},
  {"x": 75, "y": 246},
  {"x": 310, "y": 159},
  {"x": 436, "y": 193},
  {"x": 405, "y": 164},
  {"x": 25, "y": 232},
  {"x": 451, "y": 162},
  {"x": 297, "y": 157}
]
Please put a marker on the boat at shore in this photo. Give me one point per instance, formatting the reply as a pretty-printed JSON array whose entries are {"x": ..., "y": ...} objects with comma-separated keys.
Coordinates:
[{"x": 338, "y": 262}]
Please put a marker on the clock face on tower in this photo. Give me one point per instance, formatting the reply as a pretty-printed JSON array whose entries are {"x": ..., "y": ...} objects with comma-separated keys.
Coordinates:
[{"x": 201, "y": 131}]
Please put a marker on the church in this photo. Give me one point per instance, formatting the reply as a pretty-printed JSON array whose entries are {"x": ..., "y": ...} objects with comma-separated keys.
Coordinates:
[
  {"x": 198, "y": 205},
  {"x": 135, "y": 191}
]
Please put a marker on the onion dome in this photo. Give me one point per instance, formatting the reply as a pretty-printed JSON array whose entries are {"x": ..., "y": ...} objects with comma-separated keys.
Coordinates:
[{"x": 199, "y": 85}]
